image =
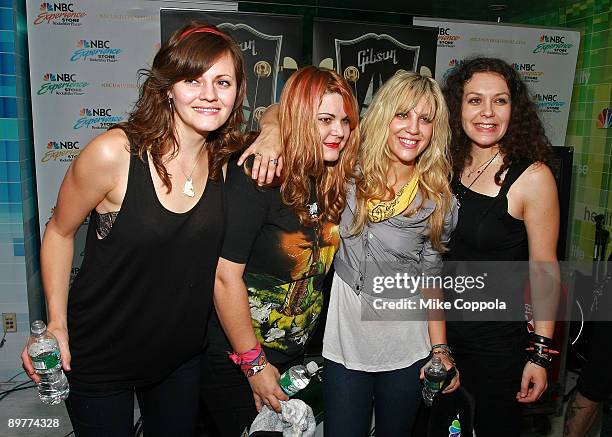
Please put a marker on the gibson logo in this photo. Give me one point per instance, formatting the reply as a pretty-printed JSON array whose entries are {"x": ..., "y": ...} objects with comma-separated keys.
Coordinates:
[
  {"x": 366, "y": 57},
  {"x": 245, "y": 46}
]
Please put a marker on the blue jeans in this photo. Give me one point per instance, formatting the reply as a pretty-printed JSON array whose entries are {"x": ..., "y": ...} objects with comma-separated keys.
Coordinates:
[{"x": 351, "y": 394}]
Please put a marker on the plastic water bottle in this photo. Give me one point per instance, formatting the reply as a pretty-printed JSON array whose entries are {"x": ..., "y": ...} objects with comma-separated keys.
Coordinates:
[
  {"x": 435, "y": 375},
  {"x": 45, "y": 355},
  {"x": 297, "y": 377}
]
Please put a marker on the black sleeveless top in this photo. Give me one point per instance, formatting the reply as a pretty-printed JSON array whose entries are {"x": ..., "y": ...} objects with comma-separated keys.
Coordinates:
[
  {"x": 487, "y": 232},
  {"x": 140, "y": 303}
]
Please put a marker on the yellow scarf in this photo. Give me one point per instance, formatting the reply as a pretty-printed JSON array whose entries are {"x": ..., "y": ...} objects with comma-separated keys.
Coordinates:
[{"x": 382, "y": 210}]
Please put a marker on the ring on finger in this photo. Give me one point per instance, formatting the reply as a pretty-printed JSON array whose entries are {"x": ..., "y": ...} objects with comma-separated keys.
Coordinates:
[{"x": 274, "y": 161}]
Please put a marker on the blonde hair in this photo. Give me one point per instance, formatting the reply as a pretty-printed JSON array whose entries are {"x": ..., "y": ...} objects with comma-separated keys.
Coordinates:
[
  {"x": 400, "y": 94},
  {"x": 302, "y": 146}
]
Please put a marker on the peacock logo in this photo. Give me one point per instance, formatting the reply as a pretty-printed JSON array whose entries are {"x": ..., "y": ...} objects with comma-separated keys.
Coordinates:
[
  {"x": 604, "y": 119},
  {"x": 454, "y": 430}
]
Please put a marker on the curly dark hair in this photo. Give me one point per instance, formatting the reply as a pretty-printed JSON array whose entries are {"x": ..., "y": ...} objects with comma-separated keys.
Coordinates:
[{"x": 525, "y": 139}]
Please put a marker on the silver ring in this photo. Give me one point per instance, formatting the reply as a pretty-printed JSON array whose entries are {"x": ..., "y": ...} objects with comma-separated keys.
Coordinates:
[{"x": 274, "y": 161}]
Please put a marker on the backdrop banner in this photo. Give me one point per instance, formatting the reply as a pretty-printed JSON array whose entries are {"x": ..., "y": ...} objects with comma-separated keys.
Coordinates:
[
  {"x": 368, "y": 54},
  {"x": 544, "y": 57},
  {"x": 271, "y": 46}
]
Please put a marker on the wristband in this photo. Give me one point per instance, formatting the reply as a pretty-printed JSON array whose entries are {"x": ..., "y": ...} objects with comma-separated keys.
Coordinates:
[
  {"x": 540, "y": 339},
  {"x": 540, "y": 360},
  {"x": 443, "y": 347},
  {"x": 251, "y": 362}
]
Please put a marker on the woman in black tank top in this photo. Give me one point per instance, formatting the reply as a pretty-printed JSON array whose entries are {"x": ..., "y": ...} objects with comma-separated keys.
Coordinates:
[
  {"x": 136, "y": 315},
  {"x": 508, "y": 212}
]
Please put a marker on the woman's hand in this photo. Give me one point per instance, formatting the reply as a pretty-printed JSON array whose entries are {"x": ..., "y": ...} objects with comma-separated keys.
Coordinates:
[
  {"x": 61, "y": 335},
  {"x": 448, "y": 365},
  {"x": 266, "y": 390},
  {"x": 267, "y": 149},
  {"x": 455, "y": 382},
  {"x": 268, "y": 161},
  {"x": 533, "y": 383}
]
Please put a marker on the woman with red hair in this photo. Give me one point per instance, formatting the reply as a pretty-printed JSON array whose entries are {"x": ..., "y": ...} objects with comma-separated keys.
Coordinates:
[{"x": 280, "y": 241}]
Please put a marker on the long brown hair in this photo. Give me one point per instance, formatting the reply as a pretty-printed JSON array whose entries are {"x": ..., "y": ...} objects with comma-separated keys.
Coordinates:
[
  {"x": 301, "y": 140},
  {"x": 187, "y": 54}
]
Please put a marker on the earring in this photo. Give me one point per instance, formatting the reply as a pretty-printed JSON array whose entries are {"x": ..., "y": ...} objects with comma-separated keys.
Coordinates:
[{"x": 170, "y": 103}]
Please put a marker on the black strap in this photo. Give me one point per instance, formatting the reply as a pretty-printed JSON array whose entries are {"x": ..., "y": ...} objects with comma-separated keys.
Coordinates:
[{"x": 513, "y": 173}]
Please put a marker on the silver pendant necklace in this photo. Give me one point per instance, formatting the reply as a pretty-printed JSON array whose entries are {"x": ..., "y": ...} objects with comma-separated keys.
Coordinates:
[{"x": 188, "y": 189}]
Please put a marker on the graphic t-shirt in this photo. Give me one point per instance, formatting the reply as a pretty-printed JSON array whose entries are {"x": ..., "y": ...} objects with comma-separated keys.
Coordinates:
[{"x": 285, "y": 263}]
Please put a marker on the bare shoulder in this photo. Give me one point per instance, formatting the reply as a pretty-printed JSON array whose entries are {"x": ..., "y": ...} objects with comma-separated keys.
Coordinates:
[
  {"x": 110, "y": 147},
  {"x": 108, "y": 152},
  {"x": 538, "y": 180}
]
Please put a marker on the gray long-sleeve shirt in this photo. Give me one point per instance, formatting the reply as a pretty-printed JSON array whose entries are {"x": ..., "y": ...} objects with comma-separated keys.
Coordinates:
[
  {"x": 356, "y": 334},
  {"x": 397, "y": 245}
]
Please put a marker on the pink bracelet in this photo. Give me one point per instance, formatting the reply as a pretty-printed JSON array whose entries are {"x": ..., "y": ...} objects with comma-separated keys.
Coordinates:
[{"x": 251, "y": 362}]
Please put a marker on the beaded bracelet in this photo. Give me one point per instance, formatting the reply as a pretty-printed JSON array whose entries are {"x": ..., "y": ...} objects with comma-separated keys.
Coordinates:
[
  {"x": 251, "y": 362},
  {"x": 444, "y": 347}
]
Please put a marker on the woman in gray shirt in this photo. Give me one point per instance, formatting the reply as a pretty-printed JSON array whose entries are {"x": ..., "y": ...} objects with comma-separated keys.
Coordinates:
[{"x": 399, "y": 215}]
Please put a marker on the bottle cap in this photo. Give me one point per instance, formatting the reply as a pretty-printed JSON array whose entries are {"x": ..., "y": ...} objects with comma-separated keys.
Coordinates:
[
  {"x": 38, "y": 327},
  {"x": 312, "y": 367}
]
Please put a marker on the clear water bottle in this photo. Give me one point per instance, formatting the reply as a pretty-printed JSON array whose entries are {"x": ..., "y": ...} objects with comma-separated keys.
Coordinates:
[
  {"x": 435, "y": 375},
  {"x": 45, "y": 355},
  {"x": 297, "y": 377}
]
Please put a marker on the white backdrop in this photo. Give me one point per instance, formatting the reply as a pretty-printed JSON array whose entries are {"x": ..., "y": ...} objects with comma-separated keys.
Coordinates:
[
  {"x": 84, "y": 59},
  {"x": 544, "y": 57}
]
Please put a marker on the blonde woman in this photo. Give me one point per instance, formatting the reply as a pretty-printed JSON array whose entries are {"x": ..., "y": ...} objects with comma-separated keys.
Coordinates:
[{"x": 398, "y": 218}]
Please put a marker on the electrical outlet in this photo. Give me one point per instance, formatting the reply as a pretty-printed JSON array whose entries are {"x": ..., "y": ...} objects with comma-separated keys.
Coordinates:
[{"x": 10, "y": 322}]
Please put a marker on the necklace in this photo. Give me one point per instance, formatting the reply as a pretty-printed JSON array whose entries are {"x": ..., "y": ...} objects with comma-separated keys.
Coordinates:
[
  {"x": 479, "y": 172},
  {"x": 461, "y": 189},
  {"x": 188, "y": 189},
  {"x": 477, "y": 169}
]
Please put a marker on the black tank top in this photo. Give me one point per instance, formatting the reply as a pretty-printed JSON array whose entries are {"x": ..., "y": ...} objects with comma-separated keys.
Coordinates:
[
  {"x": 140, "y": 303},
  {"x": 487, "y": 232}
]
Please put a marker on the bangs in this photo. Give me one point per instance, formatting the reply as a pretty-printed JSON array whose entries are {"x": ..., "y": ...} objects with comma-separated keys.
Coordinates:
[
  {"x": 409, "y": 97},
  {"x": 195, "y": 57}
]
